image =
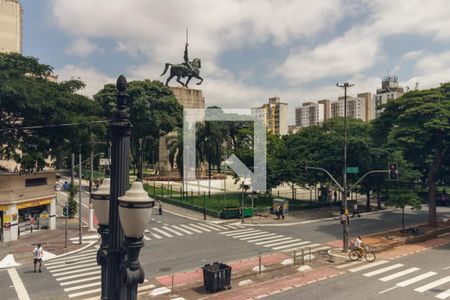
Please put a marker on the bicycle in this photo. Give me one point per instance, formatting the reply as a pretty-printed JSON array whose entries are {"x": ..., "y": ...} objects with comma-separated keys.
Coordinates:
[{"x": 356, "y": 254}]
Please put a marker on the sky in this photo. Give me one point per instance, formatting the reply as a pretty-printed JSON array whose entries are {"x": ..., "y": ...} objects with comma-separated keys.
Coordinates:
[{"x": 250, "y": 50}]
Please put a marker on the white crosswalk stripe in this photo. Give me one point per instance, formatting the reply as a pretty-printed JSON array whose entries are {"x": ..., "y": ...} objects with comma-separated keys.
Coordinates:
[
  {"x": 369, "y": 265},
  {"x": 258, "y": 237},
  {"x": 173, "y": 231},
  {"x": 250, "y": 235},
  {"x": 200, "y": 227},
  {"x": 443, "y": 295},
  {"x": 190, "y": 228},
  {"x": 383, "y": 270},
  {"x": 399, "y": 274},
  {"x": 243, "y": 233},
  {"x": 416, "y": 279},
  {"x": 286, "y": 241},
  {"x": 307, "y": 247},
  {"x": 162, "y": 232},
  {"x": 269, "y": 239},
  {"x": 290, "y": 245},
  {"x": 433, "y": 284},
  {"x": 182, "y": 230}
]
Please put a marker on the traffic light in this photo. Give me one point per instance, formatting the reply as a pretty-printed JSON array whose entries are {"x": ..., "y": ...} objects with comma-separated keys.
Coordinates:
[
  {"x": 65, "y": 211},
  {"x": 393, "y": 171}
]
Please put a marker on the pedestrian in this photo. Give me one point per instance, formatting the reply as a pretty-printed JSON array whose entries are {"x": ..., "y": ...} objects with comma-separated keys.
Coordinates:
[
  {"x": 277, "y": 212},
  {"x": 159, "y": 207},
  {"x": 281, "y": 212},
  {"x": 38, "y": 253},
  {"x": 356, "y": 211},
  {"x": 335, "y": 196}
]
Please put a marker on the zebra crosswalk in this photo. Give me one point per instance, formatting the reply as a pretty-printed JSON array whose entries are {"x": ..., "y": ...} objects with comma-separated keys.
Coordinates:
[
  {"x": 80, "y": 276},
  {"x": 277, "y": 242},
  {"x": 403, "y": 276}
]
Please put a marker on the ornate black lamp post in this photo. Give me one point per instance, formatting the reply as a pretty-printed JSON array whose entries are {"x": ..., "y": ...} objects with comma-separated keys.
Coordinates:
[
  {"x": 101, "y": 207},
  {"x": 135, "y": 210}
]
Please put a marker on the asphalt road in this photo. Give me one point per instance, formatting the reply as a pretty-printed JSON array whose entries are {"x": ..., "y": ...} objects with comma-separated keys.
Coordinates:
[
  {"x": 174, "y": 244},
  {"x": 415, "y": 277}
]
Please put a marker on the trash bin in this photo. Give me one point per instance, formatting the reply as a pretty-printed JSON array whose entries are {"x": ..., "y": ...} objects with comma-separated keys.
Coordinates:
[{"x": 216, "y": 276}]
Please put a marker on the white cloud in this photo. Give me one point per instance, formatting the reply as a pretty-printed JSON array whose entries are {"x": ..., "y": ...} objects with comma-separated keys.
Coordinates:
[
  {"x": 94, "y": 79},
  {"x": 411, "y": 55},
  {"x": 354, "y": 52},
  {"x": 81, "y": 47}
]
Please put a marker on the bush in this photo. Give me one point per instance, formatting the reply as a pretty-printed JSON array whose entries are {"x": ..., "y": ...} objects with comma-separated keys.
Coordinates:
[{"x": 72, "y": 203}]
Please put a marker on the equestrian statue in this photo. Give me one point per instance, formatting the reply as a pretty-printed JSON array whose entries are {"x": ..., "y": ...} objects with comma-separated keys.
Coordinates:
[{"x": 186, "y": 69}]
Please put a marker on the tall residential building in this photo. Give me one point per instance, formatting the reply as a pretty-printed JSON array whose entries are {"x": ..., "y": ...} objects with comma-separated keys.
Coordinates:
[
  {"x": 309, "y": 114},
  {"x": 275, "y": 115},
  {"x": 356, "y": 108},
  {"x": 10, "y": 26},
  {"x": 390, "y": 90}
]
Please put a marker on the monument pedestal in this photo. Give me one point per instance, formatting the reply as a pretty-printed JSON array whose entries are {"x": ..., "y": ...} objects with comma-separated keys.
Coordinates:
[{"x": 188, "y": 98}]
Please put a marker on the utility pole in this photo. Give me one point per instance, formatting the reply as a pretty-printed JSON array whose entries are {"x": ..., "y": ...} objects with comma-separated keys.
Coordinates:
[
  {"x": 72, "y": 169},
  {"x": 344, "y": 186},
  {"x": 80, "y": 240},
  {"x": 141, "y": 165},
  {"x": 91, "y": 210}
]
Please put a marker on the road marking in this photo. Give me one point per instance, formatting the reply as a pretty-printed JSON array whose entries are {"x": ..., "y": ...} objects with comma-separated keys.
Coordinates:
[
  {"x": 79, "y": 287},
  {"x": 415, "y": 279},
  {"x": 162, "y": 232},
  {"x": 211, "y": 227},
  {"x": 382, "y": 270},
  {"x": 233, "y": 231},
  {"x": 200, "y": 227},
  {"x": 80, "y": 280},
  {"x": 369, "y": 265},
  {"x": 250, "y": 235},
  {"x": 156, "y": 235},
  {"x": 233, "y": 226},
  {"x": 258, "y": 237},
  {"x": 71, "y": 258},
  {"x": 173, "y": 231},
  {"x": 267, "y": 239},
  {"x": 244, "y": 232},
  {"x": 181, "y": 229},
  {"x": 218, "y": 226},
  {"x": 65, "y": 265},
  {"x": 77, "y": 271},
  {"x": 85, "y": 293},
  {"x": 65, "y": 268},
  {"x": 193, "y": 229},
  {"x": 147, "y": 238},
  {"x": 274, "y": 238},
  {"x": 18, "y": 284},
  {"x": 443, "y": 295},
  {"x": 291, "y": 240},
  {"x": 389, "y": 289},
  {"x": 446, "y": 268},
  {"x": 78, "y": 275},
  {"x": 433, "y": 284},
  {"x": 290, "y": 245},
  {"x": 399, "y": 274}
]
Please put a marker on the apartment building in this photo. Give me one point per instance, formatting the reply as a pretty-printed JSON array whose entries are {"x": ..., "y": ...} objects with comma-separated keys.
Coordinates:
[
  {"x": 10, "y": 26},
  {"x": 309, "y": 114},
  {"x": 390, "y": 90},
  {"x": 275, "y": 116}
]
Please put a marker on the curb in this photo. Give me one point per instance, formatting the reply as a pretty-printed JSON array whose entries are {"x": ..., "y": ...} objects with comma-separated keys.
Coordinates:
[{"x": 312, "y": 221}]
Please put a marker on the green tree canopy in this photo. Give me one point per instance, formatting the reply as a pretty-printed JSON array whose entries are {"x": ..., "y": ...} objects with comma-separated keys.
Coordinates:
[{"x": 28, "y": 98}]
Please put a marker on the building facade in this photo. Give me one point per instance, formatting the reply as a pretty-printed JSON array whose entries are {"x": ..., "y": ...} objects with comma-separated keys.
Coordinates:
[
  {"x": 10, "y": 26},
  {"x": 26, "y": 202},
  {"x": 275, "y": 116},
  {"x": 309, "y": 114},
  {"x": 390, "y": 90},
  {"x": 356, "y": 108}
]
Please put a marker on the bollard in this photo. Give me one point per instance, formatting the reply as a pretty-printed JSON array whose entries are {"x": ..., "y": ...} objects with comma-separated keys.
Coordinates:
[
  {"x": 303, "y": 256},
  {"x": 260, "y": 263},
  {"x": 295, "y": 256},
  {"x": 173, "y": 275},
  {"x": 309, "y": 255}
]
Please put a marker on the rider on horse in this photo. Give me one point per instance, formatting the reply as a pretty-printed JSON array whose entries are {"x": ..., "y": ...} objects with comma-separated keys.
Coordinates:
[{"x": 186, "y": 62}]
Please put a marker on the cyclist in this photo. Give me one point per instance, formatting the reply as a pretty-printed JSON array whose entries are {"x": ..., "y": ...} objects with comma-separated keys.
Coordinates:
[{"x": 358, "y": 244}]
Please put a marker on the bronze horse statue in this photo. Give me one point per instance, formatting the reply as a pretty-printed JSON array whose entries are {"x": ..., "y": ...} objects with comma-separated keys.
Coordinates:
[{"x": 181, "y": 71}]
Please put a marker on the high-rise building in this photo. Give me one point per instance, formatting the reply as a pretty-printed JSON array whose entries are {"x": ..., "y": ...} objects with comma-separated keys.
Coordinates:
[
  {"x": 10, "y": 26},
  {"x": 356, "y": 108},
  {"x": 390, "y": 90},
  {"x": 275, "y": 116},
  {"x": 309, "y": 114}
]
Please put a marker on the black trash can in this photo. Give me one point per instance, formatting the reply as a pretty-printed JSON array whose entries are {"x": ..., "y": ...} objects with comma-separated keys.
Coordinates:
[{"x": 216, "y": 276}]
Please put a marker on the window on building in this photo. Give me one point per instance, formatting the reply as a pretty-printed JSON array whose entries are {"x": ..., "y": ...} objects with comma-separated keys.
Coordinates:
[{"x": 35, "y": 182}]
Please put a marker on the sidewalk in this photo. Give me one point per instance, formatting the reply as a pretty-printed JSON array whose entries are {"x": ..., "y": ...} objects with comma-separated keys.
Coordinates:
[{"x": 52, "y": 241}]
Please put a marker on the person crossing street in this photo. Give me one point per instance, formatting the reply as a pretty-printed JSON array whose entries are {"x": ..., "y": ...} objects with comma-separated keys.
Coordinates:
[
  {"x": 356, "y": 211},
  {"x": 38, "y": 254}
]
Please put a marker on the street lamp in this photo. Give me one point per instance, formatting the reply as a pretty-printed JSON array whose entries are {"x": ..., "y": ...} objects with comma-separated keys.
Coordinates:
[
  {"x": 135, "y": 211},
  {"x": 100, "y": 200}
]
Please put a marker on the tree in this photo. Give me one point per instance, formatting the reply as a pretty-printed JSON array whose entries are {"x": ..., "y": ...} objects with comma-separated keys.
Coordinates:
[
  {"x": 154, "y": 112},
  {"x": 402, "y": 198},
  {"x": 28, "y": 98},
  {"x": 418, "y": 124}
]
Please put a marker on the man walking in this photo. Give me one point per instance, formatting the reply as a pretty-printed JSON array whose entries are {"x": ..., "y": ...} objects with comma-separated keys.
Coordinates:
[
  {"x": 281, "y": 212},
  {"x": 38, "y": 254},
  {"x": 355, "y": 211}
]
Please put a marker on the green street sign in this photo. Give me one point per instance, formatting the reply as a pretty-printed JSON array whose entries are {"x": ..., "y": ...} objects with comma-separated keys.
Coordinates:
[{"x": 352, "y": 170}]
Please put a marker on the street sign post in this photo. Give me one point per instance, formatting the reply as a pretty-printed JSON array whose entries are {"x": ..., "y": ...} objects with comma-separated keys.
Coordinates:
[{"x": 352, "y": 170}]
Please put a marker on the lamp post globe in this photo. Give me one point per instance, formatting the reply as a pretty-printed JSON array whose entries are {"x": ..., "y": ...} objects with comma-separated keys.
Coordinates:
[
  {"x": 100, "y": 200},
  {"x": 135, "y": 211}
]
